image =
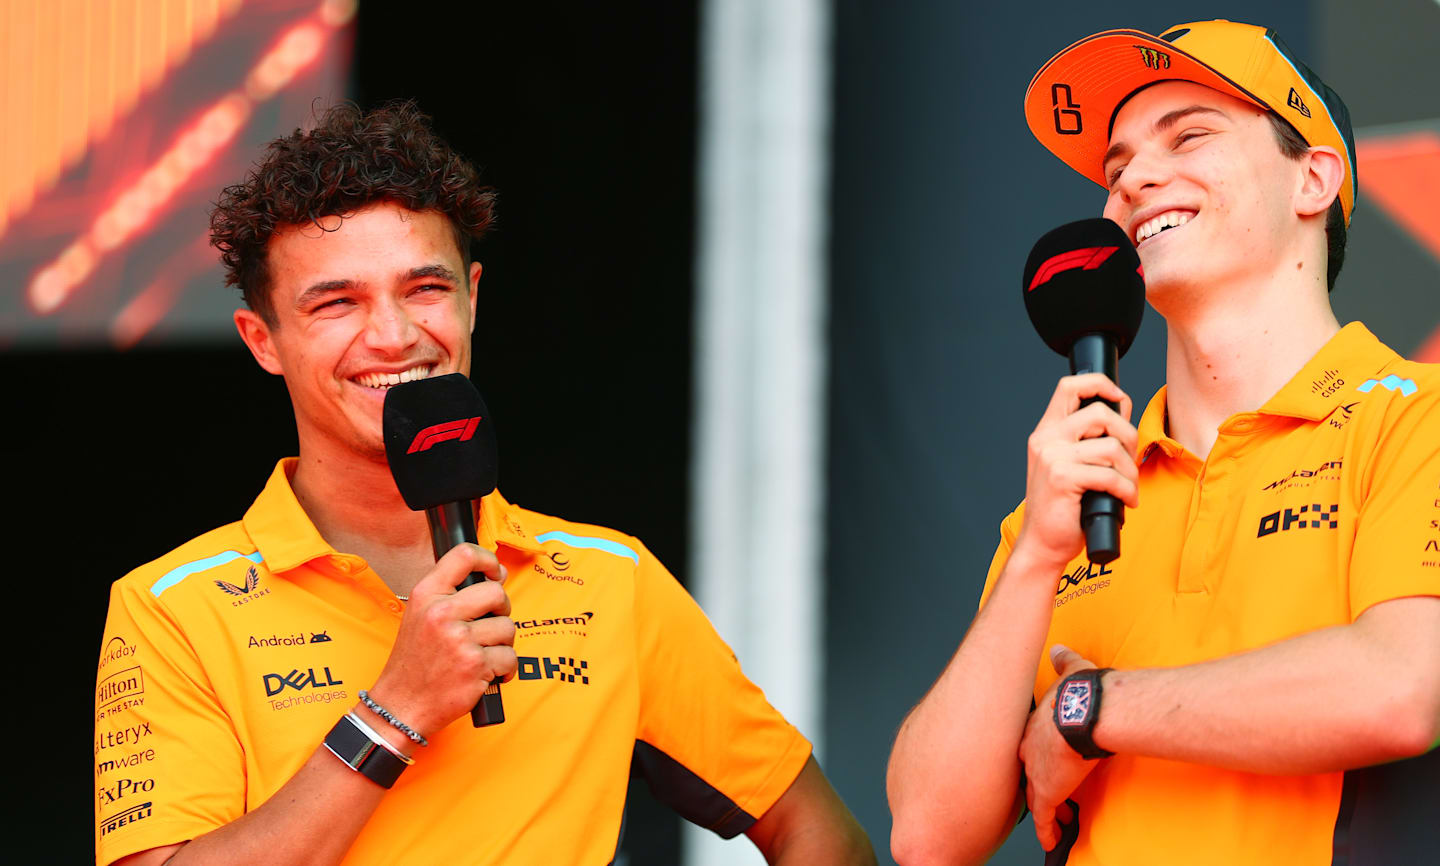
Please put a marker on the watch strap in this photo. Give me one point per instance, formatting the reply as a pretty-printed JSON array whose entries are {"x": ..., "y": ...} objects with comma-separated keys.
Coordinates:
[
  {"x": 1077, "y": 709},
  {"x": 352, "y": 742}
]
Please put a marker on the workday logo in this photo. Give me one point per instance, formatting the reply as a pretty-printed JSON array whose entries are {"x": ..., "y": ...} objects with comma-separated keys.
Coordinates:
[{"x": 1392, "y": 382}]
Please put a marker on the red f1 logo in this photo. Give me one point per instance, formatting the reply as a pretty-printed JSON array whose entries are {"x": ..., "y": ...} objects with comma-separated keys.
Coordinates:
[
  {"x": 1088, "y": 258},
  {"x": 434, "y": 435}
]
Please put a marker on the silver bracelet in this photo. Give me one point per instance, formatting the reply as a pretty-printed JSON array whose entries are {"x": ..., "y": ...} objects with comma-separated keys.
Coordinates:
[
  {"x": 385, "y": 714},
  {"x": 376, "y": 738}
]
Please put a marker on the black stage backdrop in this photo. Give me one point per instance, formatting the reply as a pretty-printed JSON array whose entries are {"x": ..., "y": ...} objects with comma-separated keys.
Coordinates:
[{"x": 584, "y": 121}]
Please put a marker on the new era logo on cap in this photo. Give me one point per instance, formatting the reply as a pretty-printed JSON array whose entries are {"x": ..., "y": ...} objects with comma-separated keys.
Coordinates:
[{"x": 1297, "y": 103}]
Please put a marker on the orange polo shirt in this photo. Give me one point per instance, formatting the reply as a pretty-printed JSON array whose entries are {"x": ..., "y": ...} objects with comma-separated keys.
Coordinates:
[
  {"x": 1320, "y": 504},
  {"x": 225, "y": 662}
]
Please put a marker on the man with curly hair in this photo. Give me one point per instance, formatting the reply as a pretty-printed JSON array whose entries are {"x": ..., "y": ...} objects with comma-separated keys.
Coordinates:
[{"x": 226, "y": 661}]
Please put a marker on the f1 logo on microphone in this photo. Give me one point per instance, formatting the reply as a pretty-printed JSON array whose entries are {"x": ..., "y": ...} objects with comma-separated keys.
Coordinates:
[
  {"x": 1088, "y": 259},
  {"x": 431, "y": 436}
]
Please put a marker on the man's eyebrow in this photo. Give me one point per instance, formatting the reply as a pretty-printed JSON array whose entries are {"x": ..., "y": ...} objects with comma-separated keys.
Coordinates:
[
  {"x": 439, "y": 272},
  {"x": 1164, "y": 122},
  {"x": 320, "y": 289},
  {"x": 325, "y": 287}
]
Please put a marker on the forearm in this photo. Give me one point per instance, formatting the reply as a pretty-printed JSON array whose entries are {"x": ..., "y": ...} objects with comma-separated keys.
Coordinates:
[
  {"x": 844, "y": 845},
  {"x": 312, "y": 819},
  {"x": 810, "y": 824},
  {"x": 954, "y": 772},
  {"x": 1335, "y": 699}
]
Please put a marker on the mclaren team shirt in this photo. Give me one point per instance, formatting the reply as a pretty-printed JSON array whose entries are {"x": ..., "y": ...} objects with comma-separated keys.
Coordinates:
[
  {"x": 1306, "y": 513},
  {"x": 225, "y": 662}
]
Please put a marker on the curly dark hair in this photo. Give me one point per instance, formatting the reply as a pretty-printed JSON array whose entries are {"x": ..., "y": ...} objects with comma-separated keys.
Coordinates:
[{"x": 352, "y": 159}]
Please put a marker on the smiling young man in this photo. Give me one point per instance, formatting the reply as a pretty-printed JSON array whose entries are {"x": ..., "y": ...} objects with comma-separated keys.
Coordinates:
[
  {"x": 1268, "y": 643},
  {"x": 294, "y": 687}
]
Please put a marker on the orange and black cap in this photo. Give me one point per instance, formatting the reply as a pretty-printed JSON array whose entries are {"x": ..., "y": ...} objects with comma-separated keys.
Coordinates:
[{"x": 1071, "y": 102}]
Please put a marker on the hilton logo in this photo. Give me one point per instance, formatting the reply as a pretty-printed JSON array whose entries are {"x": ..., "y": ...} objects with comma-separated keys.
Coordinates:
[{"x": 120, "y": 685}]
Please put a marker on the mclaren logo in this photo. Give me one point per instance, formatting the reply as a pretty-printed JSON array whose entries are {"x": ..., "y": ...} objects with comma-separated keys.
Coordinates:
[
  {"x": 582, "y": 619},
  {"x": 1152, "y": 58}
]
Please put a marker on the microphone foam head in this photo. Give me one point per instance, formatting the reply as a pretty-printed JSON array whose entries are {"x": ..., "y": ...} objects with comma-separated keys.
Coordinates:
[
  {"x": 439, "y": 441},
  {"x": 1085, "y": 278}
]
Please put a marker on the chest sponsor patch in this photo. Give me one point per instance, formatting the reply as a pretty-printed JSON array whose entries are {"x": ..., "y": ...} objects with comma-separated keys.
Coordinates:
[
  {"x": 1312, "y": 516},
  {"x": 1084, "y": 579}
]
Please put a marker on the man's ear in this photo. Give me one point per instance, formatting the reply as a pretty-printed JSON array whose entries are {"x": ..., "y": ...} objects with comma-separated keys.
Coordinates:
[
  {"x": 1323, "y": 171},
  {"x": 258, "y": 340},
  {"x": 474, "y": 291}
]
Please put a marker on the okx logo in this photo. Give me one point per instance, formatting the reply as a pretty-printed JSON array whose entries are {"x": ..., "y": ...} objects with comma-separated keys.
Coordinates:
[
  {"x": 276, "y": 683},
  {"x": 1308, "y": 517},
  {"x": 567, "y": 670}
]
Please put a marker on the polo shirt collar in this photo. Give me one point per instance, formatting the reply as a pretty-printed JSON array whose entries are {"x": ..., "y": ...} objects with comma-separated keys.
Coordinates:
[
  {"x": 287, "y": 539},
  {"x": 1151, "y": 429},
  {"x": 1344, "y": 363}
]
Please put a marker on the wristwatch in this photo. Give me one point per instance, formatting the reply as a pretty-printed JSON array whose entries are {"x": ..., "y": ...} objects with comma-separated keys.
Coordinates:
[
  {"x": 365, "y": 751},
  {"x": 1077, "y": 708}
]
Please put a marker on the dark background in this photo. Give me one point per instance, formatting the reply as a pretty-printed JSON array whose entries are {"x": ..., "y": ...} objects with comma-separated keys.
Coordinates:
[{"x": 584, "y": 117}]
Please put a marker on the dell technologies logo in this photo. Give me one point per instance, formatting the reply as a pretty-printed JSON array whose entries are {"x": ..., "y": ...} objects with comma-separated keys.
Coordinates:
[{"x": 277, "y": 683}]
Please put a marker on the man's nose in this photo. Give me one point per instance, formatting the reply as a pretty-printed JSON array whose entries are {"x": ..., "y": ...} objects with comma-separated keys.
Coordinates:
[
  {"x": 1144, "y": 170},
  {"x": 390, "y": 327}
]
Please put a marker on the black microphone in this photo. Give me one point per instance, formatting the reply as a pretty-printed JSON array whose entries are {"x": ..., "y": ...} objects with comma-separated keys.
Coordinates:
[
  {"x": 441, "y": 448},
  {"x": 1085, "y": 293}
]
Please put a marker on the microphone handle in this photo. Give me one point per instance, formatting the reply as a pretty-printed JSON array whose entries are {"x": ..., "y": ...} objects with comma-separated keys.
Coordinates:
[
  {"x": 1101, "y": 514},
  {"x": 452, "y": 524}
]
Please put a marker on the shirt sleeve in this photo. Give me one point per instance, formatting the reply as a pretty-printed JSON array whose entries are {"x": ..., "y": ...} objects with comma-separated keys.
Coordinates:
[
  {"x": 1009, "y": 530},
  {"x": 709, "y": 743},
  {"x": 168, "y": 764},
  {"x": 1397, "y": 538}
]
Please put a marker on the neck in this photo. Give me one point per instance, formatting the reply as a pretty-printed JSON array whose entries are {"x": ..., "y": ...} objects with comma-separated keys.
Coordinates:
[
  {"x": 355, "y": 506},
  {"x": 1224, "y": 360}
]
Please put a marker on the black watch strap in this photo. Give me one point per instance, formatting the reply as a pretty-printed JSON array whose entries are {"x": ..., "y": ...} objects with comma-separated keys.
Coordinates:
[
  {"x": 1077, "y": 708},
  {"x": 348, "y": 742}
]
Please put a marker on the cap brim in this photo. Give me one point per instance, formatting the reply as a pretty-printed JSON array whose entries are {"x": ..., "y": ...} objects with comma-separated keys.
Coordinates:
[{"x": 1070, "y": 103}]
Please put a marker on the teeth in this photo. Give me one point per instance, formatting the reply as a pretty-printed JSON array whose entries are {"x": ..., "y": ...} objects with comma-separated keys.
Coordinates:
[
  {"x": 385, "y": 380},
  {"x": 1169, "y": 219}
]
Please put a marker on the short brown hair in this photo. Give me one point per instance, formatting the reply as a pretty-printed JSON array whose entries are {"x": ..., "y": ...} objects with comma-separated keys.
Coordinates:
[
  {"x": 352, "y": 159},
  {"x": 1336, "y": 233}
]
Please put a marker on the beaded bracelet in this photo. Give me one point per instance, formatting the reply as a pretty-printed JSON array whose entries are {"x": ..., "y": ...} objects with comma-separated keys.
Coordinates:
[{"x": 385, "y": 714}]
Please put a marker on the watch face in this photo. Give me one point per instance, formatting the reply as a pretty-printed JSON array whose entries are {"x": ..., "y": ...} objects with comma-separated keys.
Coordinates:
[{"x": 1074, "y": 700}]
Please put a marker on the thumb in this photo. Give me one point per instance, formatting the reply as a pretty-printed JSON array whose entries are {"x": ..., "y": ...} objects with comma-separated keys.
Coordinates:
[{"x": 1066, "y": 660}]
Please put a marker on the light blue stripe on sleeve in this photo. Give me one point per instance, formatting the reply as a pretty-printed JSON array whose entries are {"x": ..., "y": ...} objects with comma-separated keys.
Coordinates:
[
  {"x": 175, "y": 575},
  {"x": 591, "y": 542}
]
